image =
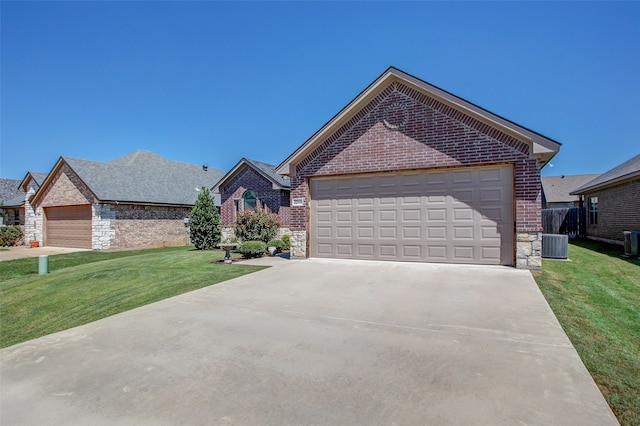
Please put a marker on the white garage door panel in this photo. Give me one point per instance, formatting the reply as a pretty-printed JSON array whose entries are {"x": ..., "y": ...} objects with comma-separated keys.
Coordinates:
[{"x": 460, "y": 216}]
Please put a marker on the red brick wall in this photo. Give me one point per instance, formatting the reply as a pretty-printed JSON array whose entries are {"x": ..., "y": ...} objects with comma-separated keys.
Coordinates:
[
  {"x": 274, "y": 200},
  {"x": 618, "y": 211},
  {"x": 435, "y": 135}
]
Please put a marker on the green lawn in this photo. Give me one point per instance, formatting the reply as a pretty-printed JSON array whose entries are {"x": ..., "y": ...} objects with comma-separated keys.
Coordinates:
[
  {"x": 86, "y": 286},
  {"x": 596, "y": 298}
]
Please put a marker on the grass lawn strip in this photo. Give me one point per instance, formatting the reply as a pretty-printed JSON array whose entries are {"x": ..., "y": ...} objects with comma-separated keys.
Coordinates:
[
  {"x": 32, "y": 306},
  {"x": 596, "y": 298},
  {"x": 29, "y": 266}
]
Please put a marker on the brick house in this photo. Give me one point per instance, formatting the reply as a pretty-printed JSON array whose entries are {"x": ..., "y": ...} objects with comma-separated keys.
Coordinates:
[
  {"x": 612, "y": 201},
  {"x": 556, "y": 190},
  {"x": 138, "y": 200},
  {"x": 14, "y": 208},
  {"x": 252, "y": 184},
  {"x": 11, "y": 202},
  {"x": 410, "y": 172}
]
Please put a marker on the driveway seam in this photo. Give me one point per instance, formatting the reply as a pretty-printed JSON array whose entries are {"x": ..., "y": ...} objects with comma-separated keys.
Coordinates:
[{"x": 434, "y": 329}]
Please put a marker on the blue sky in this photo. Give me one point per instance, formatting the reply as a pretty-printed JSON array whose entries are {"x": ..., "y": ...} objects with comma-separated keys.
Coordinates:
[{"x": 211, "y": 82}]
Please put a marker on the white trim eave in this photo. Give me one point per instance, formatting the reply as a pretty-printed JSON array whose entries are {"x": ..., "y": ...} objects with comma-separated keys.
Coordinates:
[
  {"x": 229, "y": 175},
  {"x": 541, "y": 147}
]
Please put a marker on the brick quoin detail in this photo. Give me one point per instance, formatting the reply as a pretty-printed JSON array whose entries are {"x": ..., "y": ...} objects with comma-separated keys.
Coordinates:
[
  {"x": 435, "y": 136},
  {"x": 274, "y": 200}
]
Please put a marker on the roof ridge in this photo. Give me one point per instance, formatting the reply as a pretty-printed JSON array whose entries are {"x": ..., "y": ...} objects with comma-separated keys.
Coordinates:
[{"x": 615, "y": 174}]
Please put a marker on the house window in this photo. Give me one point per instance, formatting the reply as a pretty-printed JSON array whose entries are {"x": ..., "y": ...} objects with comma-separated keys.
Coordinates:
[
  {"x": 593, "y": 210},
  {"x": 236, "y": 208},
  {"x": 16, "y": 217},
  {"x": 249, "y": 201}
]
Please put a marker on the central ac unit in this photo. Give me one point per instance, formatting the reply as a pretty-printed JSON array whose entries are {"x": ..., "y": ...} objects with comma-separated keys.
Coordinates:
[
  {"x": 631, "y": 243},
  {"x": 555, "y": 246}
]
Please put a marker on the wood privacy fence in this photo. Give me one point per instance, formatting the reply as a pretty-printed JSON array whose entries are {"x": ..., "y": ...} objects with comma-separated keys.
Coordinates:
[{"x": 564, "y": 221}]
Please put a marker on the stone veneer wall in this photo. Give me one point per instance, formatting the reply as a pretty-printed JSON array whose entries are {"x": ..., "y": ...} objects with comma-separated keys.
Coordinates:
[
  {"x": 102, "y": 232},
  {"x": 33, "y": 223},
  {"x": 529, "y": 250}
]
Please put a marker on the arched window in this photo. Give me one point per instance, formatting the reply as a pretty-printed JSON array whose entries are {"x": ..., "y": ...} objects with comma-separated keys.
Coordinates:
[{"x": 249, "y": 201}]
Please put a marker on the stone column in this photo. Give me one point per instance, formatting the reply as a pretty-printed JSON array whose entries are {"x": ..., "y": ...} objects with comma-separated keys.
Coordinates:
[
  {"x": 298, "y": 245},
  {"x": 102, "y": 233},
  {"x": 529, "y": 250}
]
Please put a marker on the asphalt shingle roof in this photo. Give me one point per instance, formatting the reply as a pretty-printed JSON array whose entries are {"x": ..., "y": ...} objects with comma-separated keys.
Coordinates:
[
  {"x": 270, "y": 170},
  {"x": 9, "y": 189},
  {"x": 39, "y": 177},
  {"x": 628, "y": 168},
  {"x": 144, "y": 177},
  {"x": 557, "y": 189}
]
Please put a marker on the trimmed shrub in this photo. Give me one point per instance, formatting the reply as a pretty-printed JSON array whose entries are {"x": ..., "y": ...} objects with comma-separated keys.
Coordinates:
[
  {"x": 278, "y": 244},
  {"x": 259, "y": 225},
  {"x": 10, "y": 235},
  {"x": 286, "y": 241},
  {"x": 251, "y": 249},
  {"x": 205, "y": 222}
]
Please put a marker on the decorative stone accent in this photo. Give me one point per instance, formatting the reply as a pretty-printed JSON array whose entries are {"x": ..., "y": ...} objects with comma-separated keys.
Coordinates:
[
  {"x": 228, "y": 234},
  {"x": 396, "y": 116},
  {"x": 529, "y": 250},
  {"x": 102, "y": 232},
  {"x": 298, "y": 244},
  {"x": 32, "y": 221}
]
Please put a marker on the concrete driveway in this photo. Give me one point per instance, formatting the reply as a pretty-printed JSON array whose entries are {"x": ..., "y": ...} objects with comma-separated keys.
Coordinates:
[{"x": 315, "y": 342}]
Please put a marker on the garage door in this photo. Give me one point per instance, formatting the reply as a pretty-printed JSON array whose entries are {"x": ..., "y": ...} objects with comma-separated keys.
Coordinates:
[
  {"x": 453, "y": 216},
  {"x": 68, "y": 226}
]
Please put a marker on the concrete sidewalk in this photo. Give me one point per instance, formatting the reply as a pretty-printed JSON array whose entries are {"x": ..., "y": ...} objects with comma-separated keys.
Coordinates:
[
  {"x": 21, "y": 252},
  {"x": 315, "y": 342}
]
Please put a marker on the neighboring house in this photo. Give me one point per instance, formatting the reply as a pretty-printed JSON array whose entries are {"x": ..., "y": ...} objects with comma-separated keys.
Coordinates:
[
  {"x": 28, "y": 186},
  {"x": 612, "y": 201},
  {"x": 138, "y": 200},
  {"x": 249, "y": 185},
  {"x": 556, "y": 190},
  {"x": 410, "y": 172},
  {"x": 11, "y": 202}
]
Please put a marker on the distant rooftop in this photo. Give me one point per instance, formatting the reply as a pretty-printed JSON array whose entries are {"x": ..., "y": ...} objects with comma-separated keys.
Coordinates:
[
  {"x": 144, "y": 177},
  {"x": 9, "y": 189},
  {"x": 557, "y": 189},
  {"x": 628, "y": 169}
]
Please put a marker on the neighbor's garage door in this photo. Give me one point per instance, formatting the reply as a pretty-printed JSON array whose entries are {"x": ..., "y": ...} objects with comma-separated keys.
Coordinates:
[
  {"x": 68, "y": 226},
  {"x": 454, "y": 216}
]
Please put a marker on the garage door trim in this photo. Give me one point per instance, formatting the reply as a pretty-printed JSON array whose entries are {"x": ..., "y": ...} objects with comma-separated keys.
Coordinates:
[{"x": 477, "y": 213}]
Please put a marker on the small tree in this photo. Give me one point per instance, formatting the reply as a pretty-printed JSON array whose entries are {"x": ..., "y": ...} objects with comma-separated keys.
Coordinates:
[
  {"x": 205, "y": 223},
  {"x": 259, "y": 225}
]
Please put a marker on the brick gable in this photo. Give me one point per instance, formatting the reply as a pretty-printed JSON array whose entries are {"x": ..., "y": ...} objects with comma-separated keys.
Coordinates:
[
  {"x": 65, "y": 189},
  {"x": 275, "y": 200},
  {"x": 435, "y": 135}
]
